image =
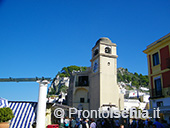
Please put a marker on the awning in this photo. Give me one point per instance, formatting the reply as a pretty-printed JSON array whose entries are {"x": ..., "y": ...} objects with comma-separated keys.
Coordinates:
[
  {"x": 3, "y": 103},
  {"x": 24, "y": 114}
]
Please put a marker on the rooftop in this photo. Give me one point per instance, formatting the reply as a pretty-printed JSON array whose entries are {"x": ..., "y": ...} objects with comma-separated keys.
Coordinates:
[
  {"x": 159, "y": 40},
  {"x": 105, "y": 40}
]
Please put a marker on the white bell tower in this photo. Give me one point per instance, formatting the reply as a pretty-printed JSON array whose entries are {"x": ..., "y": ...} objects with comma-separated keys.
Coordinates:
[{"x": 103, "y": 80}]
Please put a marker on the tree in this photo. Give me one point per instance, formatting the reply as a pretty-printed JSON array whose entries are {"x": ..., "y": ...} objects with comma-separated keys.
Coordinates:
[
  {"x": 134, "y": 78},
  {"x": 136, "y": 74},
  {"x": 140, "y": 76},
  {"x": 120, "y": 78},
  {"x": 66, "y": 71},
  {"x": 125, "y": 77},
  {"x": 129, "y": 78},
  {"x": 6, "y": 114},
  {"x": 52, "y": 92},
  {"x": 136, "y": 84},
  {"x": 63, "y": 89}
]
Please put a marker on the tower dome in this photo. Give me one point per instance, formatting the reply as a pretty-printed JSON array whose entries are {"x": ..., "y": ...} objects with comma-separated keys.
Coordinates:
[{"x": 104, "y": 40}]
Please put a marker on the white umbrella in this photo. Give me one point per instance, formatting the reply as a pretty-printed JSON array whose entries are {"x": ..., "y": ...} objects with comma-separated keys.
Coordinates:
[{"x": 3, "y": 103}]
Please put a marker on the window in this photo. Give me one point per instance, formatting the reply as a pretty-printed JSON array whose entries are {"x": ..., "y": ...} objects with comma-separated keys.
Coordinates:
[
  {"x": 95, "y": 66},
  {"x": 107, "y": 50},
  {"x": 96, "y": 52},
  {"x": 159, "y": 103},
  {"x": 168, "y": 62},
  {"x": 83, "y": 81},
  {"x": 81, "y": 100},
  {"x": 155, "y": 59},
  {"x": 158, "y": 87},
  {"x": 88, "y": 100}
]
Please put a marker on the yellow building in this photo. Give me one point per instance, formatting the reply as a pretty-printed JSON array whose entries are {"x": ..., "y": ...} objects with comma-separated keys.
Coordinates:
[
  {"x": 158, "y": 56},
  {"x": 97, "y": 86}
]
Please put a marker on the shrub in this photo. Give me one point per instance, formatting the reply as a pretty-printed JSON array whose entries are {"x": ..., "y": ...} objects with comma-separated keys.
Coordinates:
[{"x": 6, "y": 114}]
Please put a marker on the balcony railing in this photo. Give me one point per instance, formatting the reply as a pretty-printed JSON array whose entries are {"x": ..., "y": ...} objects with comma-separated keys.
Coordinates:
[{"x": 156, "y": 93}]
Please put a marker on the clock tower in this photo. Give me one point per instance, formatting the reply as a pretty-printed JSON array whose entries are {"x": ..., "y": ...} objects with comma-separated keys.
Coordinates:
[{"x": 103, "y": 89}]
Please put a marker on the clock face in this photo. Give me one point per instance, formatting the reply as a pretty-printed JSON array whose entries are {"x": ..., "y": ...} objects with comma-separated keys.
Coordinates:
[{"x": 95, "y": 65}]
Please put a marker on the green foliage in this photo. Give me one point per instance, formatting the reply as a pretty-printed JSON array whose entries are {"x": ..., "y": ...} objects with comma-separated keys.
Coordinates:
[
  {"x": 136, "y": 74},
  {"x": 144, "y": 80},
  {"x": 135, "y": 78},
  {"x": 66, "y": 71},
  {"x": 52, "y": 92},
  {"x": 136, "y": 84},
  {"x": 128, "y": 87},
  {"x": 123, "y": 75},
  {"x": 63, "y": 88},
  {"x": 120, "y": 78},
  {"x": 6, "y": 114},
  {"x": 129, "y": 78}
]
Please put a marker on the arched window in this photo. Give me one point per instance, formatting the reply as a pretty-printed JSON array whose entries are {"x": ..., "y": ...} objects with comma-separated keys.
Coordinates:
[
  {"x": 96, "y": 52},
  {"x": 108, "y": 50}
]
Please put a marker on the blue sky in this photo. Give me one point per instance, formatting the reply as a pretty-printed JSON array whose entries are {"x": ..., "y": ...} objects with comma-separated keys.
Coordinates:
[{"x": 38, "y": 38}]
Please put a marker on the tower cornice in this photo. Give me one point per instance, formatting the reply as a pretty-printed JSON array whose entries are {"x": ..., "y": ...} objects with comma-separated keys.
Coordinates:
[{"x": 105, "y": 55}]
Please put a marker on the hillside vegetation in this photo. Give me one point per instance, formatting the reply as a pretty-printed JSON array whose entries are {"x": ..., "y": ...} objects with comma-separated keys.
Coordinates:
[
  {"x": 123, "y": 75},
  {"x": 137, "y": 80},
  {"x": 128, "y": 79},
  {"x": 66, "y": 71}
]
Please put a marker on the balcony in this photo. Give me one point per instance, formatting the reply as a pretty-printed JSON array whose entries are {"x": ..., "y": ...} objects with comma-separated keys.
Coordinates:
[
  {"x": 155, "y": 94},
  {"x": 168, "y": 62}
]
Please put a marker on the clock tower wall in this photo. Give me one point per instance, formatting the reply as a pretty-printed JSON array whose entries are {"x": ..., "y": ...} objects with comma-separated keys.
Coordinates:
[
  {"x": 103, "y": 79},
  {"x": 94, "y": 91},
  {"x": 109, "y": 92}
]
